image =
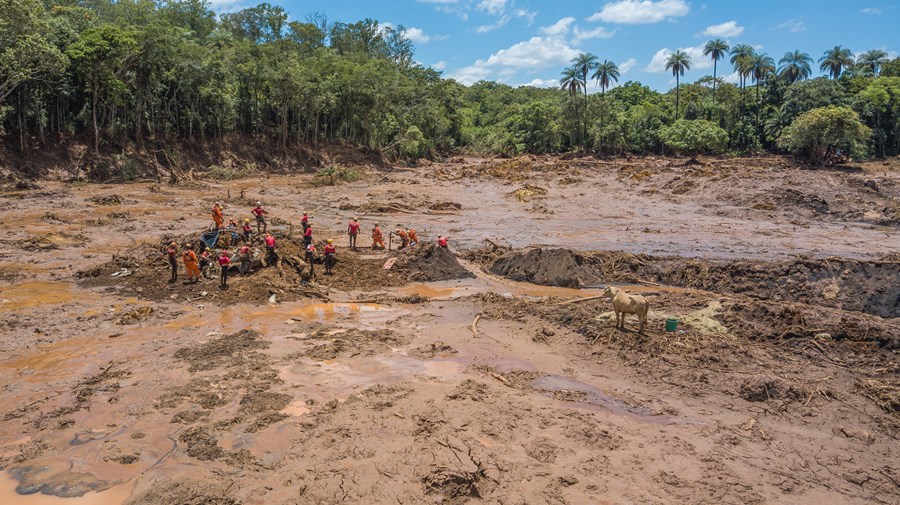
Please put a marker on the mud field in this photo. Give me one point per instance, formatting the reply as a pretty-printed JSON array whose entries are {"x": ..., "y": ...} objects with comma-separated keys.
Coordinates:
[{"x": 491, "y": 373}]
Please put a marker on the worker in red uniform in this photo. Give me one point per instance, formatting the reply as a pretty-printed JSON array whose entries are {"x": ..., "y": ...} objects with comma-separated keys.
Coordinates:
[
  {"x": 443, "y": 241},
  {"x": 173, "y": 260},
  {"x": 244, "y": 257},
  {"x": 260, "y": 214},
  {"x": 224, "y": 264},
  {"x": 247, "y": 230},
  {"x": 413, "y": 238},
  {"x": 190, "y": 263},
  {"x": 353, "y": 231},
  {"x": 271, "y": 258},
  {"x": 217, "y": 216},
  {"x": 307, "y": 235},
  {"x": 377, "y": 237},
  {"x": 329, "y": 251},
  {"x": 304, "y": 221},
  {"x": 404, "y": 238}
]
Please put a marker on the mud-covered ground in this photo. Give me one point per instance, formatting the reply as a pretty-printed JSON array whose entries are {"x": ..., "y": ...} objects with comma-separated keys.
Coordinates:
[{"x": 504, "y": 383}]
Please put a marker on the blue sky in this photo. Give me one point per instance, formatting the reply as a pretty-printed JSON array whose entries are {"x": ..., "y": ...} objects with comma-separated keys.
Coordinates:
[{"x": 529, "y": 41}]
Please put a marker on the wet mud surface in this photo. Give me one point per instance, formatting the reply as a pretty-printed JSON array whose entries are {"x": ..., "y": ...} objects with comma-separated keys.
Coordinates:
[{"x": 487, "y": 374}]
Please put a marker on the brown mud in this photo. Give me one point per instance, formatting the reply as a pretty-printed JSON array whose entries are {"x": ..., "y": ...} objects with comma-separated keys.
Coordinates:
[{"x": 502, "y": 383}]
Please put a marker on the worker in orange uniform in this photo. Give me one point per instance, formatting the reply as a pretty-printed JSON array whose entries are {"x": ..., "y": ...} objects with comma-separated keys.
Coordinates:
[
  {"x": 413, "y": 238},
  {"x": 190, "y": 264},
  {"x": 353, "y": 231},
  {"x": 217, "y": 216},
  {"x": 329, "y": 251},
  {"x": 404, "y": 238},
  {"x": 377, "y": 237}
]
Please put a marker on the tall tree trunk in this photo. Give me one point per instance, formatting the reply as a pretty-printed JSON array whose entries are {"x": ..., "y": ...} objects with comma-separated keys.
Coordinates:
[
  {"x": 677, "y": 92},
  {"x": 715, "y": 62},
  {"x": 94, "y": 118}
]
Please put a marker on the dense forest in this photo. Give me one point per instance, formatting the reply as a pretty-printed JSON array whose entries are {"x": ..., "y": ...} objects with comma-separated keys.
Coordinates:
[{"x": 140, "y": 74}]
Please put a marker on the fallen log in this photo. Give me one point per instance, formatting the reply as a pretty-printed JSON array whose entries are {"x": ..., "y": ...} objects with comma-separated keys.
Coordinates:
[
  {"x": 579, "y": 300},
  {"x": 474, "y": 327}
]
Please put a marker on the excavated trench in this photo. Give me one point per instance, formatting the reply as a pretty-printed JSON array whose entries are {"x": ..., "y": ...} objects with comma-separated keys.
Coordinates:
[{"x": 870, "y": 287}]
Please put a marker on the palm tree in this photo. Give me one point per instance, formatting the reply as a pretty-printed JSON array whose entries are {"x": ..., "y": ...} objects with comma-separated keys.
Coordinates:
[
  {"x": 605, "y": 74},
  {"x": 834, "y": 61},
  {"x": 740, "y": 56},
  {"x": 572, "y": 82},
  {"x": 873, "y": 59},
  {"x": 761, "y": 66},
  {"x": 794, "y": 66},
  {"x": 583, "y": 64},
  {"x": 678, "y": 62},
  {"x": 715, "y": 49}
]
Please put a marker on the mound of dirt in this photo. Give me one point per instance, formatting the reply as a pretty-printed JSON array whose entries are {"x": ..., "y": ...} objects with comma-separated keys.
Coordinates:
[
  {"x": 186, "y": 491},
  {"x": 864, "y": 286},
  {"x": 428, "y": 262},
  {"x": 144, "y": 271}
]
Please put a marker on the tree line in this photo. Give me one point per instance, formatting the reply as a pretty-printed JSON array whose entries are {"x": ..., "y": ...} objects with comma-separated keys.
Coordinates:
[{"x": 147, "y": 74}]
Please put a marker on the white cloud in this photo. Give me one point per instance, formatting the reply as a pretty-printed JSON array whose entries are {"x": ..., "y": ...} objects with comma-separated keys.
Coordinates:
[
  {"x": 226, "y": 6},
  {"x": 441, "y": 65},
  {"x": 542, "y": 83},
  {"x": 534, "y": 54},
  {"x": 640, "y": 11},
  {"x": 698, "y": 61},
  {"x": 499, "y": 24},
  {"x": 494, "y": 7},
  {"x": 522, "y": 13},
  {"x": 627, "y": 65},
  {"x": 596, "y": 33},
  {"x": 417, "y": 35},
  {"x": 726, "y": 29},
  {"x": 793, "y": 25},
  {"x": 871, "y": 11},
  {"x": 557, "y": 29}
]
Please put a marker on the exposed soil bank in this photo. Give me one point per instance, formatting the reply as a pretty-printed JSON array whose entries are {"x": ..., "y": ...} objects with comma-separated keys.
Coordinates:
[{"x": 865, "y": 286}]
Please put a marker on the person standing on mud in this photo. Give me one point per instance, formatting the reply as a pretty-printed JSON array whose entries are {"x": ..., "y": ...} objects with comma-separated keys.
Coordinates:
[
  {"x": 260, "y": 214},
  {"x": 247, "y": 230},
  {"x": 353, "y": 231},
  {"x": 190, "y": 264},
  {"x": 404, "y": 238},
  {"x": 330, "y": 251},
  {"x": 311, "y": 259},
  {"x": 304, "y": 221},
  {"x": 377, "y": 238},
  {"x": 244, "y": 256},
  {"x": 173, "y": 260},
  {"x": 443, "y": 241},
  {"x": 307, "y": 235},
  {"x": 217, "y": 216},
  {"x": 413, "y": 238},
  {"x": 204, "y": 263},
  {"x": 224, "y": 263},
  {"x": 271, "y": 258}
]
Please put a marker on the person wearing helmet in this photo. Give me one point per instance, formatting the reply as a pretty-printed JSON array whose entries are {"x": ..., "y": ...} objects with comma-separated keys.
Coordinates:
[
  {"x": 307, "y": 234},
  {"x": 377, "y": 237},
  {"x": 443, "y": 241},
  {"x": 413, "y": 238},
  {"x": 271, "y": 257},
  {"x": 172, "y": 253},
  {"x": 311, "y": 259},
  {"x": 330, "y": 251},
  {"x": 205, "y": 263},
  {"x": 190, "y": 264},
  {"x": 224, "y": 264},
  {"x": 260, "y": 214},
  {"x": 244, "y": 256},
  {"x": 353, "y": 231},
  {"x": 404, "y": 238},
  {"x": 217, "y": 216},
  {"x": 247, "y": 230},
  {"x": 304, "y": 221}
]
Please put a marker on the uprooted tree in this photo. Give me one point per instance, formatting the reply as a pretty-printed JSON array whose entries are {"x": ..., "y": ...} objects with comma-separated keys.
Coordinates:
[{"x": 820, "y": 134}]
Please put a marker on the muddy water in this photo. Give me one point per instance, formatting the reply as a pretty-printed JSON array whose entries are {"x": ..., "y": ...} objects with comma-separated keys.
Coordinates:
[{"x": 8, "y": 495}]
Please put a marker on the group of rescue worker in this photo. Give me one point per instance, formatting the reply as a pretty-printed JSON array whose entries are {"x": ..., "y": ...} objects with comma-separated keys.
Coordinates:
[{"x": 241, "y": 238}]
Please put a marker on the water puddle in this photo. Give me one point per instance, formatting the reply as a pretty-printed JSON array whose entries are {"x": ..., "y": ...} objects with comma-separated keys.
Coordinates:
[
  {"x": 582, "y": 394},
  {"x": 115, "y": 495},
  {"x": 319, "y": 312},
  {"x": 34, "y": 294}
]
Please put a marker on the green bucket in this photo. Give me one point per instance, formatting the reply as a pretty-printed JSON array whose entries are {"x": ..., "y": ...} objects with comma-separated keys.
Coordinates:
[{"x": 671, "y": 325}]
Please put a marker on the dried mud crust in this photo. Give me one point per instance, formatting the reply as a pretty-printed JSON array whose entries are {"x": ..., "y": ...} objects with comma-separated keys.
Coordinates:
[
  {"x": 864, "y": 286},
  {"x": 331, "y": 344}
]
